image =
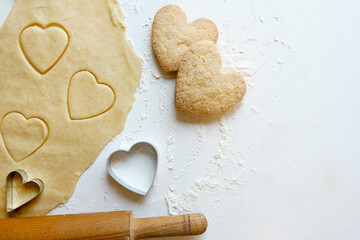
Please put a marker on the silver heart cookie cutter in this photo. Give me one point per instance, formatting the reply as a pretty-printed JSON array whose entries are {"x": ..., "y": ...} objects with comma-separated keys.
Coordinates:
[
  {"x": 10, "y": 205},
  {"x": 128, "y": 179}
]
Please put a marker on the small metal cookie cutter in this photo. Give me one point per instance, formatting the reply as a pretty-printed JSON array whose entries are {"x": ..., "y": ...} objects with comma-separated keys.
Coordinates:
[
  {"x": 10, "y": 205},
  {"x": 135, "y": 168}
]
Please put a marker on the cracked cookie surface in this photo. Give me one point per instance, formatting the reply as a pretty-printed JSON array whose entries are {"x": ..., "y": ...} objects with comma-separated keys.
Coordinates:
[{"x": 201, "y": 87}]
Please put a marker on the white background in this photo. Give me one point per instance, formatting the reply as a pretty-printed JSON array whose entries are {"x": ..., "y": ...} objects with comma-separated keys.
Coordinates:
[{"x": 285, "y": 164}]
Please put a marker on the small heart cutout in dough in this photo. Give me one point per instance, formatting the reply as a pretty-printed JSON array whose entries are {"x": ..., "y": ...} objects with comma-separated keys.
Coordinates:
[
  {"x": 134, "y": 169},
  {"x": 23, "y": 137},
  {"x": 44, "y": 46},
  {"x": 172, "y": 36},
  {"x": 87, "y": 98},
  {"x": 20, "y": 191},
  {"x": 201, "y": 87}
]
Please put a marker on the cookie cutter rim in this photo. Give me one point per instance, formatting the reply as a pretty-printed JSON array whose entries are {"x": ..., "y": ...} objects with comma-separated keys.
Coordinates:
[
  {"x": 10, "y": 188},
  {"x": 119, "y": 180}
]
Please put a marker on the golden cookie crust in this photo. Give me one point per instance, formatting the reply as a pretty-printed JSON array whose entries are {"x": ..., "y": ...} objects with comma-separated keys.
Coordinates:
[
  {"x": 201, "y": 87},
  {"x": 172, "y": 35}
]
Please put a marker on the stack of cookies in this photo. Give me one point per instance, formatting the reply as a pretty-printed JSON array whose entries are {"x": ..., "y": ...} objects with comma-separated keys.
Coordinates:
[{"x": 201, "y": 87}]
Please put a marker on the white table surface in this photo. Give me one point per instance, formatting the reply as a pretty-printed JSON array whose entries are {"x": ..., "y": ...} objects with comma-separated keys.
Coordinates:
[{"x": 285, "y": 164}]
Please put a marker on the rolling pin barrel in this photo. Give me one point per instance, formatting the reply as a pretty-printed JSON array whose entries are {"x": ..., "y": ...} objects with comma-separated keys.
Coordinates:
[
  {"x": 182, "y": 225},
  {"x": 109, "y": 225}
]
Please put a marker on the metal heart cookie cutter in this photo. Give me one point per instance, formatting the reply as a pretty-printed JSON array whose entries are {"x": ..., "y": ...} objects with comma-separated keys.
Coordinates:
[
  {"x": 135, "y": 168},
  {"x": 13, "y": 203}
]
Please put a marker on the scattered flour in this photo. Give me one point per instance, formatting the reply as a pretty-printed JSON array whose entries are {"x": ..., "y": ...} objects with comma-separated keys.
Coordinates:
[
  {"x": 170, "y": 146},
  {"x": 138, "y": 9},
  {"x": 219, "y": 158},
  {"x": 254, "y": 109},
  {"x": 216, "y": 178},
  {"x": 106, "y": 196},
  {"x": 250, "y": 39},
  {"x": 116, "y": 207},
  {"x": 164, "y": 94},
  {"x": 282, "y": 42},
  {"x": 155, "y": 75},
  {"x": 175, "y": 205},
  {"x": 234, "y": 57},
  {"x": 195, "y": 152}
]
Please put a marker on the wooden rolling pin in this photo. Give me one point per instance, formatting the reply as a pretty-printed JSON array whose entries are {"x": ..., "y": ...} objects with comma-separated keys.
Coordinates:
[{"x": 108, "y": 225}]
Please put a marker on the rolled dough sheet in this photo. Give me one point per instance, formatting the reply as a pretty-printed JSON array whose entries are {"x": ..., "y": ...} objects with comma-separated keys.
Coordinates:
[{"x": 68, "y": 77}]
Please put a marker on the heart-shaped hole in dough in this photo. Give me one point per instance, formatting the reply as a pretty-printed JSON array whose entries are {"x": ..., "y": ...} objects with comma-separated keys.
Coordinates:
[
  {"x": 135, "y": 169},
  {"x": 23, "y": 136},
  {"x": 44, "y": 46},
  {"x": 201, "y": 87},
  {"x": 87, "y": 97}
]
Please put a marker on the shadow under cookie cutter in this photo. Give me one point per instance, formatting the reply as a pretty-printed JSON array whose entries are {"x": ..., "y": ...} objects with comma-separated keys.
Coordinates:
[
  {"x": 10, "y": 205},
  {"x": 135, "y": 168}
]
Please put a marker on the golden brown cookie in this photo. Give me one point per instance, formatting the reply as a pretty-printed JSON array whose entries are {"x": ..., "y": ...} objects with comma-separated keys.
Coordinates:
[
  {"x": 201, "y": 87},
  {"x": 172, "y": 36}
]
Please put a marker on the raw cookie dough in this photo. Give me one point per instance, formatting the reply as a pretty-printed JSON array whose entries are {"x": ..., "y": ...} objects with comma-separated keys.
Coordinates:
[
  {"x": 67, "y": 82},
  {"x": 172, "y": 36},
  {"x": 201, "y": 87}
]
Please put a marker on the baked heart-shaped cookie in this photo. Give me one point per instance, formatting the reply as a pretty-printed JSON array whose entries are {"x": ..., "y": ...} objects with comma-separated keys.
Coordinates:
[
  {"x": 172, "y": 36},
  {"x": 201, "y": 87}
]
